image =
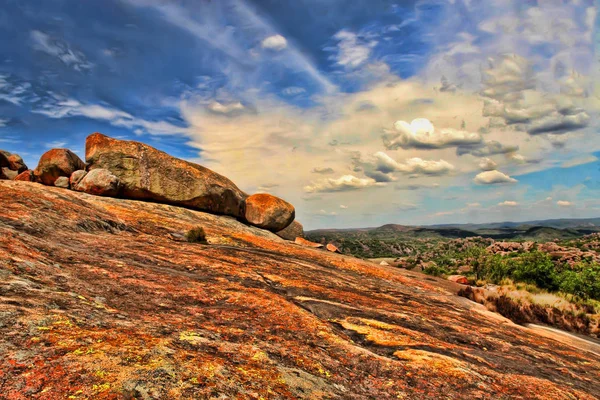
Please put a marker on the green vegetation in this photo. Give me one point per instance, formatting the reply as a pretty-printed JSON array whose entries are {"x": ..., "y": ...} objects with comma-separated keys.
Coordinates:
[{"x": 196, "y": 235}]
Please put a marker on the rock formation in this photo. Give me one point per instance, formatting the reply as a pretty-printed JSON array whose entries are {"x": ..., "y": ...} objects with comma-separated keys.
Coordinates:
[
  {"x": 292, "y": 231},
  {"x": 268, "y": 212},
  {"x": 99, "y": 301},
  {"x": 11, "y": 165},
  {"x": 56, "y": 163},
  {"x": 99, "y": 182}
]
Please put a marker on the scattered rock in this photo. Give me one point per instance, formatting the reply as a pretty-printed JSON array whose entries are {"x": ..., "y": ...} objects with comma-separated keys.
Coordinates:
[
  {"x": 149, "y": 174},
  {"x": 99, "y": 182},
  {"x": 56, "y": 163},
  {"x": 76, "y": 177},
  {"x": 308, "y": 243},
  {"x": 26, "y": 176},
  {"x": 384, "y": 263},
  {"x": 332, "y": 248},
  {"x": 459, "y": 279},
  {"x": 269, "y": 212},
  {"x": 292, "y": 231},
  {"x": 62, "y": 182}
]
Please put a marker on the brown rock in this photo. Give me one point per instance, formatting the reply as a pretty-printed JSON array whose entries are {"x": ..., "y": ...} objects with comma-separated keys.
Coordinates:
[
  {"x": 459, "y": 279},
  {"x": 150, "y": 174},
  {"x": 332, "y": 248},
  {"x": 4, "y": 163},
  {"x": 76, "y": 177},
  {"x": 269, "y": 212},
  {"x": 307, "y": 243},
  {"x": 292, "y": 231},
  {"x": 26, "y": 176},
  {"x": 17, "y": 163},
  {"x": 99, "y": 182},
  {"x": 56, "y": 163},
  {"x": 9, "y": 173},
  {"x": 62, "y": 182}
]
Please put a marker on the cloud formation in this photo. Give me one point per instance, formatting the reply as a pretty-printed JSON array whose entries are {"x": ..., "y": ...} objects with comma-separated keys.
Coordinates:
[
  {"x": 342, "y": 184},
  {"x": 421, "y": 134},
  {"x": 493, "y": 177},
  {"x": 274, "y": 42}
]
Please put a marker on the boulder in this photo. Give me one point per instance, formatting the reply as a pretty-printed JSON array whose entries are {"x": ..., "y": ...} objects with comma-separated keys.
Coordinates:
[
  {"x": 62, "y": 182},
  {"x": 11, "y": 165},
  {"x": 26, "y": 176},
  {"x": 56, "y": 163},
  {"x": 292, "y": 231},
  {"x": 9, "y": 173},
  {"x": 100, "y": 182},
  {"x": 76, "y": 177},
  {"x": 268, "y": 212},
  {"x": 459, "y": 279},
  {"x": 17, "y": 163},
  {"x": 332, "y": 248},
  {"x": 4, "y": 163},
  {"x": 149, "y": 174},
  {"x": 307, "y": 243}
]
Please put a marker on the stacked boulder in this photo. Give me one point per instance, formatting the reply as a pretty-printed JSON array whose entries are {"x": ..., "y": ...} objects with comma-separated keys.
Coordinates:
[
  {"x": 133, "y": 170},
  {"x": 11, "y": 165}
]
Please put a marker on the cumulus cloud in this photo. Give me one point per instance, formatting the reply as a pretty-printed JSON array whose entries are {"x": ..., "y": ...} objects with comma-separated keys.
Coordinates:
[
  {"x": 226, "y": 109},
  {"x": 489, "y": 148},
  {"x": 59, "y": 49},
  {"x": 508, "y": 203},
  {"x": 564, "y": 203},
  {"x": 352, "y": 50},
  {"x": 487, "y": 164},
  {"x": 415, "y": 165},
  {"x": 274, "y": 42},
  {"x": 343, "y": 207},
  {"x": 342, "y": 184},
  {"x": 322, "y": 170},
  {"x": 493, "y": 177},
  {"x": 421, "y": 134}
]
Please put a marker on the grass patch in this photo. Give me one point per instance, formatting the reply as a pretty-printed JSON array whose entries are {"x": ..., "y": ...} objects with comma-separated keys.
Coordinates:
[{"x": 196, "y": 235}]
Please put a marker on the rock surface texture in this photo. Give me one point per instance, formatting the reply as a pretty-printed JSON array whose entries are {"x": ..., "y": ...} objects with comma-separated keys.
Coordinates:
[
  {"x": 292, "y": 231},
  {"x": 98, "y": 299},
  {"x": 56, "y": 163},
  {"x": 269, "y": 212},
  {"x": 149, "y": 174}
]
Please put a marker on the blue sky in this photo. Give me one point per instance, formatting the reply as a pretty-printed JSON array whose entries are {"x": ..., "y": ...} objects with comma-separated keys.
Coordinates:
[{"x": 358, "y": 112}]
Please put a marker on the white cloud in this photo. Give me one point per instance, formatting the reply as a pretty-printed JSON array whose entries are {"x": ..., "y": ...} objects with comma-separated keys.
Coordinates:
[
  {"x": 564, "y": 203},
  {"x": 293, "y": 91},
  {"x": 487, "y": 164},
  {"x": 421, "y": 134},
  {"x": 352, "y": 51},
  {"x": 226, "y": 109},
  {"x": 59, "y": 49},
  {"x": 274, "y": 42},
  {"x": 343, "y": 207},
  {"x": 508, "y": 203},
  {"x": 579, "y": 161},
  {"x": 344, "y": 183},
  {"x": 415, "y": 165},
  {"x": 493, "y": 177}
]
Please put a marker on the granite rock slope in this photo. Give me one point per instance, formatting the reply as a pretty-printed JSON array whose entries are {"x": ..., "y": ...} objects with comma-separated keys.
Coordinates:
[{"x": 103, "y": 298}]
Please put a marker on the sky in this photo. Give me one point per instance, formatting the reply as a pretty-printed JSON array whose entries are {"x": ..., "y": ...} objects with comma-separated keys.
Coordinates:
[{"x": 359, "y": 113}]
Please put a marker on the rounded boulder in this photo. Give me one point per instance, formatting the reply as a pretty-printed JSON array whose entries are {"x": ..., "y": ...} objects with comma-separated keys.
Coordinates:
[
  {"x": 56, "y": 163},
  {"x": 268, "y": 212},
  {"x": 292, "y": 231},
  {"x": 100, "y": 182}
]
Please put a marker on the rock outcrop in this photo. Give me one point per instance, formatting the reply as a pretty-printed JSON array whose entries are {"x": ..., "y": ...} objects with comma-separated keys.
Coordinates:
[
  {"x": 26, "y": 176},
  {"x": 307, "y": 243},
  {"x": 99, "y": 182},
  {"x": 62, "y": 182},
  {"x": 292, "y": 231},
  {"x": 56, "y": 163},
  {"x": 99, "y": 301},
  {"x": 11, "y": 165},
  {"x": 76, "y": 177},
  {"x": 268, "y": 212},
  {"x": 149, "y": 174}
]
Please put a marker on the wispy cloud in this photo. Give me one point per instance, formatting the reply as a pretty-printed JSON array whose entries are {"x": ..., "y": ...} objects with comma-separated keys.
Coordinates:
[{"x": 60, "y": 49}]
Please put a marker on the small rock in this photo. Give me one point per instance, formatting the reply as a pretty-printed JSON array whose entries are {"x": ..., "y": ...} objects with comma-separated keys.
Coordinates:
[
  {"x": 26, "y": 176},
  {"x": 56, "y": 163},
  {"x": 384, "y": 263},
  {"x": 308, "y": 243},
  {"x": 459, "y": 279},
  {"x": 99, "y": 182},
  {"x": 62, "y": 182},
  {"x": 332, "y": 248},
  {"x": 292, "y": 231},
  {"x": 76, "y": 177},
  {"x": 269, "y": 212}
]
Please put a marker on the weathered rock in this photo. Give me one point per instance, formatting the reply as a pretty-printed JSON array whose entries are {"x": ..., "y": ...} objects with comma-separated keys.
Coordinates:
[
  {"x": 99, "y": 182},
  {"x": 9, "y": 173},
  {"x": 332, "y": 248},
  {"x": 26, "y": 176},
  {"x": 385, "y": 263},
  {"x": 4, "y": 163},
  {"x": 269, "y": 212},
  {"x": 62, "y": 182},
  {"x": 149, "y": 174},
  {"x": 11, "y": 165},
  {"x": 76, "y": 177},
  {"x": 56, "y": 163},
  {"x": 307, "y": 243},
  {"x": 459, "y": 279},
  {"x": 292, "y": 231},
  {"x": 17, "y": 163}
]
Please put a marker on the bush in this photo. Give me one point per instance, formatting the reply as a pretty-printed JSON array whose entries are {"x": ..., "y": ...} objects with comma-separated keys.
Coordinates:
[
  {"x": 583, "y": 282},
  {"x": 536, "y": 268},
  {"x": 196, "y": 235}
]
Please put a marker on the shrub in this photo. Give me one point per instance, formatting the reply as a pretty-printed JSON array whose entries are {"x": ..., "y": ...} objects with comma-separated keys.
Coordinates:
[
  {"x": 196, "y": 235},
  {"x": 536, "y": 268}
]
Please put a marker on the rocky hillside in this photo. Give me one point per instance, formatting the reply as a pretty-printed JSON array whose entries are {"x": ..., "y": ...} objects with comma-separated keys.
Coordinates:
[{"x": 103, "y": 298}]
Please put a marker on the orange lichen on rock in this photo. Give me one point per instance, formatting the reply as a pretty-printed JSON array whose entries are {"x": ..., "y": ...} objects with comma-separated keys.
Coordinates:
[{"x": 103, "y": 298}]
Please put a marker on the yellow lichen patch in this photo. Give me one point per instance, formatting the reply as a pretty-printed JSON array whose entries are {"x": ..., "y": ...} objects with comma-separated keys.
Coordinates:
[
  {"x": 377, "y": 332},
  {"x": 438, "y": 363}
]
